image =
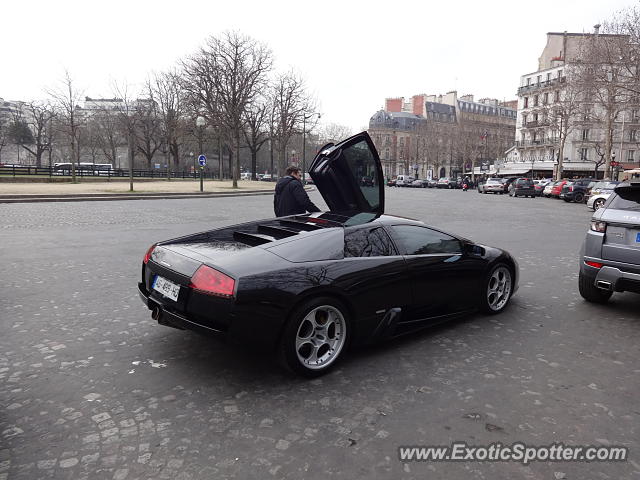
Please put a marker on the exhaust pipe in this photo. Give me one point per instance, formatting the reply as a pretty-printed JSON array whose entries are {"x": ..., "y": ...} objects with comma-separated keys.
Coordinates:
[
  {"x": 156, "y": 314},
  {"x": 604, "y": 285}
]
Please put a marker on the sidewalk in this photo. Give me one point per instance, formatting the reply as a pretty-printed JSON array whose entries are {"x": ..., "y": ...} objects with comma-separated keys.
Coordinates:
[{"x": 119, "y": 190}]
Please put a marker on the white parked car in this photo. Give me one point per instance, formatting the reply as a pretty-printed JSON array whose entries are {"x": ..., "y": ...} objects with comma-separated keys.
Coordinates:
[{"x": 404, "y": 180}]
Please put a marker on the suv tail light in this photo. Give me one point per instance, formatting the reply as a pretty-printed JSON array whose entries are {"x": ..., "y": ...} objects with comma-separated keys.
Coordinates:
[
  {"x": 210, "y": 281},
  {"x": 597, "y": 226},
  {"x": 571, "y": 188},
  {"x": 147, "y": 256},
  {"x": 595, "y": 264}
]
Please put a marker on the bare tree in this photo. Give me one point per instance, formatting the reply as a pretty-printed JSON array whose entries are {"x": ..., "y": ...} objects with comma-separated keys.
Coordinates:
[
  {"x": 334, "y": 133},
  {"x": 603, "y": 78},
  {"x": 40, "y": 115},
  {"x": 128, "y": 122},
  {"x": 148, "y": 131},
  {"x": 165, "y": 90},
  {"x": 224, "y": 78},
  {"x": 256, "y": 131},
  {"x": 290, "y": 102},
  {"x": 565, "y": 112},
  {"x": 67, "y": 99},
  {"x": 109, "y": 136}
]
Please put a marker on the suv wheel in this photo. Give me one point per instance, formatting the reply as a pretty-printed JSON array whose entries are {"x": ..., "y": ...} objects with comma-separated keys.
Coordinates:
[
  {"x": 578, "y": 197},
  {"x": 590, "y": 292}
]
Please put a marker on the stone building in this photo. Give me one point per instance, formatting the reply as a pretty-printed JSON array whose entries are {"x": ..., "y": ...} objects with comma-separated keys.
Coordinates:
[
  {"x": 537, "y": 130},
  {"x": 441, "y": 135}
]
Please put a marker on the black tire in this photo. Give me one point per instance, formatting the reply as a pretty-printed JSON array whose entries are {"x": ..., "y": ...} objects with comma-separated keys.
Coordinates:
[
  {"x": 598, "y": 203},
  {"x": 590, "y": 292},
  {"x": 496, "y": 303},
  {"x": 578, "y": 197},
  {"x": 327, "y": 341}
]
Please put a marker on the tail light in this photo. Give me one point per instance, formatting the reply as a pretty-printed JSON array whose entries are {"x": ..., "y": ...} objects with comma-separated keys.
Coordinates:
[
  {"x": 210, "y": 281},
  {"x": 597, "y": 226},
  {"x": 147, "y": 256},
  {"x": 595, "y": 264},
  {"x": 571, "y": 188}
]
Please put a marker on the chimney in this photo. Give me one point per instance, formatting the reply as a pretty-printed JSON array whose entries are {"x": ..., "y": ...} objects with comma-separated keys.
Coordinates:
[{"x": 596, "y": 29}]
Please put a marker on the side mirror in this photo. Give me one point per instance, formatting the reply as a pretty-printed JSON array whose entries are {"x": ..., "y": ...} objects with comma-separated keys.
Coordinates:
[{"x": 473, "y": 249}]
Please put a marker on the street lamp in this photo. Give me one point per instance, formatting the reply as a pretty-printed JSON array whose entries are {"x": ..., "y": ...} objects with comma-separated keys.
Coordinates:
[
  {"x": 200, "y": 122},
  {"x": 304, "y": 138},
  {"x": 613, "y": 165}
]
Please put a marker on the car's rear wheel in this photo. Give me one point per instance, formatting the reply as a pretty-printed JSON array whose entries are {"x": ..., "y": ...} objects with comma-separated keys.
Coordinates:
[
  {"x": 590, "y": 292},
  {"x": 315, "y": 337},
  {"x": 578, "y": 197},
  {"x": 598, "y": 203},
  {"x": 498, "y": 287}
]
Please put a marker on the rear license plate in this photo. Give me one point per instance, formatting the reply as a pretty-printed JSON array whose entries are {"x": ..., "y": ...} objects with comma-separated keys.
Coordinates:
[
  {"x": 166, "y": 288},
  {"x": 638, "y": 237}
]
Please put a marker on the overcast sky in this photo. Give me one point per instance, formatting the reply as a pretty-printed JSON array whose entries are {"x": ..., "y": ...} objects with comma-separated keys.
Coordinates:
[{"x": 352, "y": 54}]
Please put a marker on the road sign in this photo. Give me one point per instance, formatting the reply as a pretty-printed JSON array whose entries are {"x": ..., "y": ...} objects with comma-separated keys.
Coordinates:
[{"x": 202, "y": 160}]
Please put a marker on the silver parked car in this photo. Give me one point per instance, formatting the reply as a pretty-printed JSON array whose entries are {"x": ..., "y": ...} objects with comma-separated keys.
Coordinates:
[
  {"x": 492, "y": 185},
  {"x": 610, "y": 256}
]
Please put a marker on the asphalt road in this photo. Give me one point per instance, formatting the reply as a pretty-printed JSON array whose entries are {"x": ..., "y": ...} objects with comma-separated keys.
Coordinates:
[{"x": 92, "y": 388}]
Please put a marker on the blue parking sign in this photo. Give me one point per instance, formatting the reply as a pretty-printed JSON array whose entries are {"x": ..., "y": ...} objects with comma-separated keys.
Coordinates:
[{"x": 202, "y": 160}]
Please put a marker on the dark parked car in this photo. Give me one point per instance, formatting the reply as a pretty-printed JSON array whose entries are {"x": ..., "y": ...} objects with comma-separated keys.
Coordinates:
[
  {"x": 308, "y": 286},
  {"x": 610, "y": 256},
  {"x": 522, "y": 187},
  {"x": 391, "y": 182},
  {"x": 366, "y": 182},
  {"x": 576, "y": 190}
]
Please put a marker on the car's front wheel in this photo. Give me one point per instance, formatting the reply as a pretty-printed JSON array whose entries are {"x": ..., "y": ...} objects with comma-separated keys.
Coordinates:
[
  {"x": 498, "y": 287},
  {"x": 315, "y": 337},
  {"x": 598, "y": 203},
  {"x": 590, "y": 292}
]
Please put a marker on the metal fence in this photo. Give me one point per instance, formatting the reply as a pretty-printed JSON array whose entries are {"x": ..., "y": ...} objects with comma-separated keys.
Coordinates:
[{"x": 28, "y": 170}]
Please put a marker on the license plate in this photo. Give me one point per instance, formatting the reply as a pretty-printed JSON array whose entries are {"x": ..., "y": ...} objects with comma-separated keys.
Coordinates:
[
  {"x": 166, "y": 288},
  {"x": 638, "y": 237}
]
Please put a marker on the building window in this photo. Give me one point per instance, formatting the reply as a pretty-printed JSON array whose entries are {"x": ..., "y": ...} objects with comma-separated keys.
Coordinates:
[
  {"x": 538, "y": 79},
  {"x": 526, "y": 102},
  {"x": 585, "y": 134},
  {"x": 535, "y": 100},
  {"x": 559, "y": 73},
  {"x": 557, "y": 96},
  {"x": 632, "y": 135},
  {"x": 584, "y": 154},
  {"x": 524, "y": 120},
  {"x": 528, "y": 81},
  {"x": 630, "y": 155}
]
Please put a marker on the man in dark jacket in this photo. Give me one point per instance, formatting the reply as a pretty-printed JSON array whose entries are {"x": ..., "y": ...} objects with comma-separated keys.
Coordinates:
[{"x": 290, "y": 197}]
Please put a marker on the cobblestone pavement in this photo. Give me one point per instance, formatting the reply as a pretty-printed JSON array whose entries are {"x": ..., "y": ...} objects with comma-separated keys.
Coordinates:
[{"x": 92, "y": 388}]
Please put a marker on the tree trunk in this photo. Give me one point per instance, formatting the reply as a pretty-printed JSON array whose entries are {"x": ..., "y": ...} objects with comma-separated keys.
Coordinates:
[
  {"x": 131, "y": 157},
  {"x": 236, "y": 171},
  {"x": 607, "y": 148},
  {"x": 560, "y": 158}
]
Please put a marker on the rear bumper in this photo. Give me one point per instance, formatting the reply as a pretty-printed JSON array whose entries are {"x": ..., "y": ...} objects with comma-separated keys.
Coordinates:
[
  {"x": 613, "y": 278},
  {"x": 252, "y": 325},
  {"x": 176, "y": 320}
]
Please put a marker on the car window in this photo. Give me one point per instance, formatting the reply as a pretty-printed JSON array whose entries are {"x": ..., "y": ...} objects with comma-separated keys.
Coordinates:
[
  {"x": 626, "y": 198},
  {"x": 368, "y": 242},
  {"x": 362, "y": 163},
  {"x": 416, "y": 240}
]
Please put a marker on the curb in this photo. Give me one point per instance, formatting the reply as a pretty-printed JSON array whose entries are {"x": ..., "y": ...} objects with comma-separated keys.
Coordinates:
[{"x": 89, "y": 197}]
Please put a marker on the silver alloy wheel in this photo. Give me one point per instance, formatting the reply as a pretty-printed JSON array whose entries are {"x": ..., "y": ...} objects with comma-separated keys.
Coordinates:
[
  {"x": 598, "y": 203},
  {"x": 320, "y": 337},
  {"x": 499, "y": 288}
]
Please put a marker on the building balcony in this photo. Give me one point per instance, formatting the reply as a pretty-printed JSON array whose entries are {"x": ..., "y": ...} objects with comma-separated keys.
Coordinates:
[
  {"x": 554, "y": 82},
  {"x": 540, "y": 142}
]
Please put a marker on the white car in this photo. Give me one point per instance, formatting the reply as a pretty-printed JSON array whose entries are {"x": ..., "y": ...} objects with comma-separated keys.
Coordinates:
[
  {"x": 597, "y": 201},
  {"x": 404, "y": 180}
]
